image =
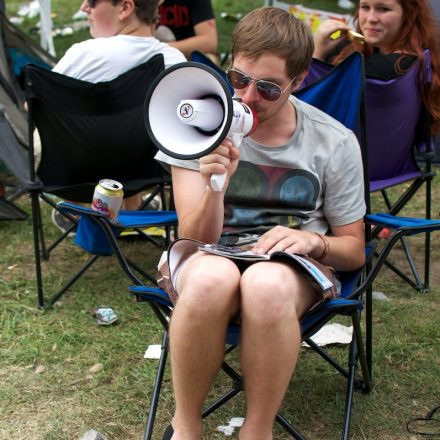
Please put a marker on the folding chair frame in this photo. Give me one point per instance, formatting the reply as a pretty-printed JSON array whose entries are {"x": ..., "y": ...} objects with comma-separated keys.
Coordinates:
[
  {"x": 358, "y": 350},
  {"x": 37, "y": 189}
]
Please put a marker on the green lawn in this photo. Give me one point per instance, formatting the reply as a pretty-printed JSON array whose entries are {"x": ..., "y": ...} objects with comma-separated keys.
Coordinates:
[{"x": 49, "y": 392}]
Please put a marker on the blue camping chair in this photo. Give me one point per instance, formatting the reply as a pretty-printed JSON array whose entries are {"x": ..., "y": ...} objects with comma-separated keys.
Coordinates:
[
  {"x": 339, "y": 93},
  {"x": 398, "y": 123}
]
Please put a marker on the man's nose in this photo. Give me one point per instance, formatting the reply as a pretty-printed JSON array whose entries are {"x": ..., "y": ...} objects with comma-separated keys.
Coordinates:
[{"x": 251, "y": 93}]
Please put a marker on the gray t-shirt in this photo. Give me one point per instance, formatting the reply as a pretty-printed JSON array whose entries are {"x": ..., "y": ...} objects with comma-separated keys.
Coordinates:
[{"x": 313, "y": 182}]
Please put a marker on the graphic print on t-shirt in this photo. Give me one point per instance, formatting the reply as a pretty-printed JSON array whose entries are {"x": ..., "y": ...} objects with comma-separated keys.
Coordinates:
[{"x": 265, "y": 196}]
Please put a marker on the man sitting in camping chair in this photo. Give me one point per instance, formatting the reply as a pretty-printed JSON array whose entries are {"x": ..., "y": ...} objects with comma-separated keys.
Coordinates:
[
  {"x": 122, "y": 32},
  {"x": 297, "y": 184}
]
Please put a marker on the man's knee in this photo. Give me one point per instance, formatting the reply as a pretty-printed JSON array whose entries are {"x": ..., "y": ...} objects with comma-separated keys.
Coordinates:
[
  {"x": 268, "y": 293},
  {"x": 209, "y": 282}
]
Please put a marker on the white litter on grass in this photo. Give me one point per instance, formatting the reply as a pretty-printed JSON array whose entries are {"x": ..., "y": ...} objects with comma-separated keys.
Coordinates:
[
  {"x": 30, "y": 11},
  {"x": 68, "y": 30},
  {"x": 153, "y": 352},
  {"x": 380, "y": 296},
  {"x": 92, "y": 434},
  {"x": 16, "y": 20},
  {"x": 228, "y": 430},
  {"x": 332, "y": 334},
  {"x": 236, "y": 422}
]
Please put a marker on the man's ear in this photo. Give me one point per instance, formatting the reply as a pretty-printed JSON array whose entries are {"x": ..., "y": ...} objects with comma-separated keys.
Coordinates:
[
  {"x": 127, "y": 8},
  {"x": 299, "y": 79}
]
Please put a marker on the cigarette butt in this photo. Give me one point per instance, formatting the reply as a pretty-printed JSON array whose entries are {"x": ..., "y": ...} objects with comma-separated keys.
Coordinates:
[{"x": 354, "y": 36}]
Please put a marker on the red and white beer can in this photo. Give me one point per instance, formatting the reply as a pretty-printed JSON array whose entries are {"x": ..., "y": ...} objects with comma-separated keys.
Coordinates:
[{"x": 107, "y": 199}]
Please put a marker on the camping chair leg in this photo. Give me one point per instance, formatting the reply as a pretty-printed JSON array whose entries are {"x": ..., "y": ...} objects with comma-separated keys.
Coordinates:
[
  {"x": 427, "y": 261},
  {"x": 36, "y": 230},
  {"x": 55, "y": 297},
  {"x": 289, "y": 428},
  {"x": 15, "y": 194},
  {"x": 38, "y": 219},
  {"x": 218, "y": 403},
  {"x": 419, "y": 282},
  {"x": 237, "y": 386},
  {"x": 156, "y": 389},
  {"x": 350, "y": 388},
  {"x": 365, "y": 384},
  {"x": 428, "y": 235},
  {"x": 356, "y": 353},
  {"x": 326, "y": 357},
  {"x": 134, "y": 266},
  {"x": 417, "y": 286},
  {"x": 369, "y": 328}
]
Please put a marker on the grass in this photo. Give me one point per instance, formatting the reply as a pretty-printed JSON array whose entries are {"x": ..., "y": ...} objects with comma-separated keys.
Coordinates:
[{"x": 64, "y": 399}]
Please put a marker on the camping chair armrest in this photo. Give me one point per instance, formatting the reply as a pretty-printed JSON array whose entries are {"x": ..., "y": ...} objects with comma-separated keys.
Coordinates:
[
  {"x": 407, "y": 225},
  {"x": 402, "y": 226},
  {"x": 150, "y": 294},
  {"x": 126, "y": 219}
]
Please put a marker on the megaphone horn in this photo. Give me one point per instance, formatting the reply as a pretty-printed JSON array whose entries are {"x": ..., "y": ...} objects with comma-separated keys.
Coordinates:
[{"x": 189, "y": 111}]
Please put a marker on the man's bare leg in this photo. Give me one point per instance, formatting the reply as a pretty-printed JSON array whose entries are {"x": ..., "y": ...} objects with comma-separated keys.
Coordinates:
[
  {"x": 208, "y": 297},
  {"x": 273, "y": 297}
]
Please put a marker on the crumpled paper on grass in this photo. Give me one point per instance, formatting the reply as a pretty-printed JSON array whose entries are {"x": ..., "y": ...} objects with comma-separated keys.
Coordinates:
[{"x": 333, "y": 333}]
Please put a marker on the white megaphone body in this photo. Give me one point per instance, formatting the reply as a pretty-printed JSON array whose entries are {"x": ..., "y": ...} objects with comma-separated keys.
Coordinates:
[{"x": 189, "y": 111}]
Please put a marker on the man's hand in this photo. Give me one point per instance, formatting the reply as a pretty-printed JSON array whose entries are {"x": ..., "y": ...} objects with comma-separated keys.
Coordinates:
[
  {"x": 224, "y": 159},
  {"x": 281, "y": 238}
]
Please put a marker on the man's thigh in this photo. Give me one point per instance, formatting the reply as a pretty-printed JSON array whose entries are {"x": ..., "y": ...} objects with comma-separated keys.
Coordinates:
[
  {"x": 285, "y": 279},
  {"x": 210, "y": 268}
]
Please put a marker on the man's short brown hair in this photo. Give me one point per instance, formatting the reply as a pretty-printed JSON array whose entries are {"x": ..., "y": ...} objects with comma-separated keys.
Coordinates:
[
  {"x": 276, "y": 31},
  {"x": 145, "y": 10}
]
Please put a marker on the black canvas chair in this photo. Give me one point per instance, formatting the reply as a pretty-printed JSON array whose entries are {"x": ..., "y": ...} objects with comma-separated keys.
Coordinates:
[
  {"x": 339, "y": 93},
  {"x": 88, "y": 132}
]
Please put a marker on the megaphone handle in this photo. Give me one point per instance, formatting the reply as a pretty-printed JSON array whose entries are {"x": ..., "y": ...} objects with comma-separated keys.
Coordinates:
[{"x": 218, "y": 180}]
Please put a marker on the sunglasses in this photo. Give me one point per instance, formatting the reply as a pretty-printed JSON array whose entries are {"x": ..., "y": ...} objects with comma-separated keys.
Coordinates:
[
  {"x": 92, "y": 3},
  {"x": 266, "y": 89}
]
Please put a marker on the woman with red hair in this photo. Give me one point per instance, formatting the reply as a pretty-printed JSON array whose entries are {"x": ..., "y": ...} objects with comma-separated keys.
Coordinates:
[{"x": 395, "y": 34}]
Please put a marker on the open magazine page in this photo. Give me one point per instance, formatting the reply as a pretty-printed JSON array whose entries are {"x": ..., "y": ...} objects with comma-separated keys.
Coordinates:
[{"x": 243, "y": 253}]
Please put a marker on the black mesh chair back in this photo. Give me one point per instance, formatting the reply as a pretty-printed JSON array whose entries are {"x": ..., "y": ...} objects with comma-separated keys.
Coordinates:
[
  {"x": 93, "y": 131},
  {"x": 89, "y": 132}
]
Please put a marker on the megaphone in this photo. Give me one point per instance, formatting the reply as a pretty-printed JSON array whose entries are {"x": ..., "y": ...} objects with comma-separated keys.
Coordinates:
[{"x": 189, "y": 111}]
